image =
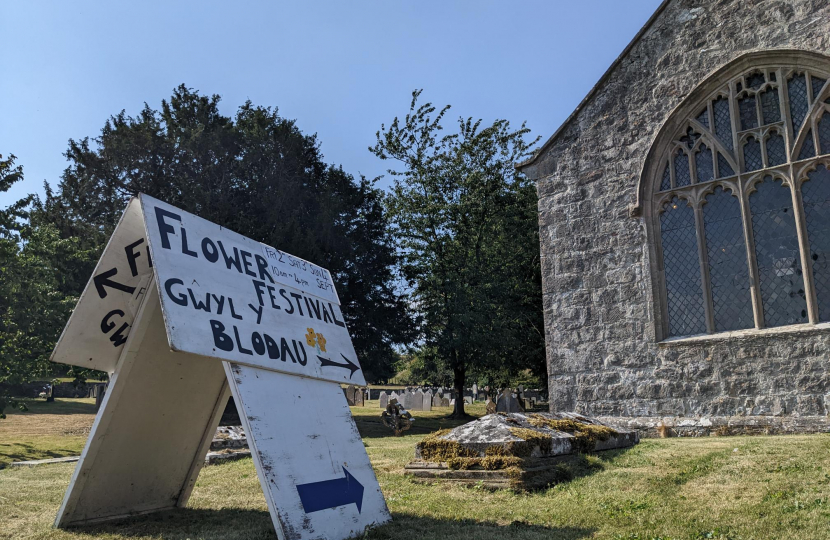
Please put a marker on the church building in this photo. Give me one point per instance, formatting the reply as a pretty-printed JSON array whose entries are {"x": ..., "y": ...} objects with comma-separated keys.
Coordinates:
[{"x": 684, "y": 218}]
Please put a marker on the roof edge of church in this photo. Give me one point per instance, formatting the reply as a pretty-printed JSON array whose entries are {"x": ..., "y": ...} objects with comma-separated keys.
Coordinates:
[{"x": 532, "y": 159}]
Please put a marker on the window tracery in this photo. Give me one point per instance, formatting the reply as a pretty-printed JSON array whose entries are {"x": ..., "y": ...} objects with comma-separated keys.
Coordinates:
[{"x": 742, "y": 205}]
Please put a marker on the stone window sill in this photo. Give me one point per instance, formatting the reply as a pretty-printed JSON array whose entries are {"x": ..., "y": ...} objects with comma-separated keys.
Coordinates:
[{"x": 794, "y": 330}]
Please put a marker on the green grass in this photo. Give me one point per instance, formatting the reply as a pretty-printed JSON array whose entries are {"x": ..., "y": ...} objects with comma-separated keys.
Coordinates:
[
  {"x": 46, "y": 430},
  {"x": 715, "y": 487}
]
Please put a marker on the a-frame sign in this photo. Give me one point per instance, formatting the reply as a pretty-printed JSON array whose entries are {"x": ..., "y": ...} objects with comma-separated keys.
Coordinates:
[{"x": 183, "y": 313}]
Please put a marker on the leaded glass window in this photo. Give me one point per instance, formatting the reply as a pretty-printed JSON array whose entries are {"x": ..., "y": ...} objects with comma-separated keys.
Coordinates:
[
  {"x": 755, "y": 80},
  {"x": 776, "y": 150},
  {"x": 815, "y": 193},
  {"x": 704, "y": 164},
  {"x": 724, "y": 168},
  {"x": 682, "y": 175},
  {"x": 726, "y": 250},
  {"x": 731, "y": 228},
  {"x": 797, "y": 90},
  {"x": 752, "y": 155},
  {"x": 817, "y": 86},
  {"x": 824, "y": 133},
  {"x": 777, "y": 253},
  {"x": 808, "y": 148},
  {"x": 703, "y": 118},
  {"x": 749, "y": 117},
  {"x": 770, "y": 108},
  {"x": 682, "y": 269},
  {"x": 723, "y": 123}
]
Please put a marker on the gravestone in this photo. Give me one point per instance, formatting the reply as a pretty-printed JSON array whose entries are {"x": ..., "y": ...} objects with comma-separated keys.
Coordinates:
[
  {"x": 99, "y": 397},
  {"x": 547, "y": 437},
  {"x": 490, "y": 406},
  {"x": 358, "y": 397},
  {"x": 384, "y": 400},
  {"x": 475, "y": 390},
  {"x": 406, "y": 400},
  {"x": 507, "y": 402},
  {"x": 436, "y": 400},
  {"x": 445, "y": 402},
  {"x": 427, "y": 402},
  {"x": 349, "y": 393},
  {"x": 396, "y": 397},
  {"x": 418, "y": 400},
  {"x": 468, "y": 400}
]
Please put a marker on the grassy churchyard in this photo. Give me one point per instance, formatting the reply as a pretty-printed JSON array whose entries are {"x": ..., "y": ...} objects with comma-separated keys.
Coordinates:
[{"x": 715, "y": 487}]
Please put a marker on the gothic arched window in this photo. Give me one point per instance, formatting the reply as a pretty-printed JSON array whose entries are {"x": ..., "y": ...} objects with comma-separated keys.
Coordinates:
[{"x": 739, "y": 211}]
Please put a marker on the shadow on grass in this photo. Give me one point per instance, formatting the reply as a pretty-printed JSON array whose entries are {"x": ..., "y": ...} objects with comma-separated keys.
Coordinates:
[
  {"x": 10, "y": 453},
  {"x": 239, "y": 524},
  {"x": 59, "y": 406}
]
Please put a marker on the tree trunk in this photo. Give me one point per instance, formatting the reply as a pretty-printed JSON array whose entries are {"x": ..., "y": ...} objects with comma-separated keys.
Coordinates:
[{"x": 459, "y": 378}]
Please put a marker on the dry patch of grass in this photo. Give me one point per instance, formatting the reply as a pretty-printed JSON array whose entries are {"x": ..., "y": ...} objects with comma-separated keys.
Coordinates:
[
  {"x": 47, "y": 430},
  {"x": 736, "y": 488}
]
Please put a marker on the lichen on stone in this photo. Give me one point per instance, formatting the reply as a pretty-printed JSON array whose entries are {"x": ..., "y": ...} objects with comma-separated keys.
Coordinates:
[
  {"x": 488, "y": 463},
  {"x": 531, "y": 440},
  {"x": 434, "y": 448},
  {"x": 585, "y": 435}
]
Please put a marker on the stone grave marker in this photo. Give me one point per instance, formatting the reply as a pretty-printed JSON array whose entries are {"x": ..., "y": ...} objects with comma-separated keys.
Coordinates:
[
  {"x": 358, "y": 397},
  {"x": 418, "y": 400},
  {"x": 384, "y": 400},
  {"x": 490, "y": 406},
  {"x": 507, "y": 402},
  {"x": 436, "y": 400},
  {"x": 349, "y": 393},
  {"x": 427, "y": 401},
  {"x": 445, "y": 402}
]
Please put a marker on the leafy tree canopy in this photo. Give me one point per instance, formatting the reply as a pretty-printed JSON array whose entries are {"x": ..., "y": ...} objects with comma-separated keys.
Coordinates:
[
  {"x": 468, "y": 232},
  {"x": 254, "y": 173}
]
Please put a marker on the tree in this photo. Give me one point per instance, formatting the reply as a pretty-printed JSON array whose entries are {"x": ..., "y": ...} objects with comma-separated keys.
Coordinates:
[
  {"x": 258, "y": 175},
  {"x": 9, "y": 274},
  {"x": 466, "y": 220},
  {"x": 37, "y": 291}
]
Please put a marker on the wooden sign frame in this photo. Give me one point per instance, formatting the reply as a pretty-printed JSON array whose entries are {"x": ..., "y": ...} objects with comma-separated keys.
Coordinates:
[{"x": 155, "y": 425}]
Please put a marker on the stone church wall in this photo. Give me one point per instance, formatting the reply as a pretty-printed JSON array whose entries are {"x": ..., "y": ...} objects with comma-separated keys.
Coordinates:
[{"x": 603, "y": 355}]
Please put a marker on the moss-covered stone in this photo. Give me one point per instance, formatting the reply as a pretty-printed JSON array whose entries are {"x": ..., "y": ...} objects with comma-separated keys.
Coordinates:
[
  {"x": 531, "y": 440},
  {"x": 488, "y": 463},
  {"x": 434, "y": 448},
  {"x": 586, "y": 436}
]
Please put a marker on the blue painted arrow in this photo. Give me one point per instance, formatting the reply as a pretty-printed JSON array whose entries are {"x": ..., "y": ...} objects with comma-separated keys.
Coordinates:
[{"x": 318, "y": 496}]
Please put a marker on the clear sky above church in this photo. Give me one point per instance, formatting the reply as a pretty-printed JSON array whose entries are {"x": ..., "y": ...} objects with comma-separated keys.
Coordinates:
[{"x": 339, "y": 68}]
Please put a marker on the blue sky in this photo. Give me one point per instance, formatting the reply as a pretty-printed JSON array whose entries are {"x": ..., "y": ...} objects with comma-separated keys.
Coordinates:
[{"x": 339, "y": 68}]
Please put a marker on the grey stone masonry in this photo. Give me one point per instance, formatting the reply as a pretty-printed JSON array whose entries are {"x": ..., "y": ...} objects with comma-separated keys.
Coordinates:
[{"x": 604, "y": 357}]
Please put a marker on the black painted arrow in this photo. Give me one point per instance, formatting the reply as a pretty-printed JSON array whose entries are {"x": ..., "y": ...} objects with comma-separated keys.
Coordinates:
[
  {"x": 318, "y": 496},
  {"x": 351, "y": 366},
  {"x": 103, "y": 280}
]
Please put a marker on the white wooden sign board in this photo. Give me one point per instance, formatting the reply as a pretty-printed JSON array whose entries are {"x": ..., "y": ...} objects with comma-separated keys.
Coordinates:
[{"x": 182, "y": 313}]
